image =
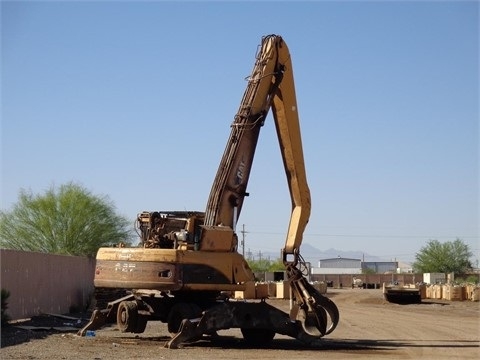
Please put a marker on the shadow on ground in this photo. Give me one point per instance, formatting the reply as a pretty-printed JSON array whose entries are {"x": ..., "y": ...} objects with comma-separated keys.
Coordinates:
[
  {"x": 356, "y": 345},
  {"x": 40, "y": 327}
]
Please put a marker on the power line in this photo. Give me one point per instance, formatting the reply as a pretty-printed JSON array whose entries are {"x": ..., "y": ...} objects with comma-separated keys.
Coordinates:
[{"x": 372, "y": 236}]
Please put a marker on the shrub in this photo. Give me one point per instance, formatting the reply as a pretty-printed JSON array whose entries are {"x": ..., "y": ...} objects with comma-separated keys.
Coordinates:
[{"x": 5, "y": 294}]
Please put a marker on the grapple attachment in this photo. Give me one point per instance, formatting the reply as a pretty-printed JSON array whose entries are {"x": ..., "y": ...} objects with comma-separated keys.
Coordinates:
[{"x": 318, "y": 314}]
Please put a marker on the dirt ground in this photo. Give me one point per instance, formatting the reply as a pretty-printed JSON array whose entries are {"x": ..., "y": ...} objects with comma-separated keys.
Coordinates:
[{"x": 369, "y": 327}]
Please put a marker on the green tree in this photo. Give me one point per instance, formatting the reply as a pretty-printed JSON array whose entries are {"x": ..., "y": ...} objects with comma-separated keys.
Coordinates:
[
  {"x": 447, "y": 257},
  {"x": 276, "y": 265},
  {"x": 368, "y": 271},
  {"x": 68, "y": 220},
  {"x": 262, "y": 265}
]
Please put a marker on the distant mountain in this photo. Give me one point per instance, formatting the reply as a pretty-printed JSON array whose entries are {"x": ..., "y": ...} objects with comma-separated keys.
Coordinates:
[{"x": 312, "y": 254}]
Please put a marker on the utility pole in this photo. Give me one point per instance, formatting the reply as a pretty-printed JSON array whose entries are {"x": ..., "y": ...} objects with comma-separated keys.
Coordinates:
[{"x": 243, "y": 240}]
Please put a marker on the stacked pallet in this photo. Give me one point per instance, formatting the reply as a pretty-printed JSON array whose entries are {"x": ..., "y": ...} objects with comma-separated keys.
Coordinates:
[
  {"x": 261, "y": 290},
  {"x": 278, "y": 290},
  {"x": 453, "y": 292},
  {"x": 472, "y": 292}
]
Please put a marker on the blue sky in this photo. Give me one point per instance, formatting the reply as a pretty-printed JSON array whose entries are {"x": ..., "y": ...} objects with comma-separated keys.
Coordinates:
[{"x": 134, "y": 101}]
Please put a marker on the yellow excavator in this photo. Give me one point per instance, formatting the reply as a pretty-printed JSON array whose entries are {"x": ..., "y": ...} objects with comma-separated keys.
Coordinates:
[{"x": 187, "y": 265}]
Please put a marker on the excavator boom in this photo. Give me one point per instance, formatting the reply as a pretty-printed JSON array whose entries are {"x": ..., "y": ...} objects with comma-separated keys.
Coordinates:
[{"x": 270, "y": 86}]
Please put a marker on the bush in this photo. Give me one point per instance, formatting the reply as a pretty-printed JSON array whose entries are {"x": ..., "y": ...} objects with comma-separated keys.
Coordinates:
[
  {"x": 470, "y": 279},
  {"x": 5, "y": 294}
]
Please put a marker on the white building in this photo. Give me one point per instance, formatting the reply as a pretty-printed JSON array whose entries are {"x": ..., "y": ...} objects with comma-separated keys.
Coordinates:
[
  {"x": 434, "y": 278},
  {"x": 338, "y": 265}
]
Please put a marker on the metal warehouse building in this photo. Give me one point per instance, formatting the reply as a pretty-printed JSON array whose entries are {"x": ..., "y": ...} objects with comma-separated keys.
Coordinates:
[
  {"x": 381, "y": 267},
  {"x": 338, "y": 265}
]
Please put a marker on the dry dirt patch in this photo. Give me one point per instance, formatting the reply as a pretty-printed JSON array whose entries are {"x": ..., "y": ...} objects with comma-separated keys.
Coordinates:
[{"x": 369, "y": 327}]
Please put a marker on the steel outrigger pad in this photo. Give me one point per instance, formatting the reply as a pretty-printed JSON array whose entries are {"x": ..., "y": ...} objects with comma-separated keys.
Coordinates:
[
  {"x": 254, "y": 316},
  {"x": 100, "y": 317}
]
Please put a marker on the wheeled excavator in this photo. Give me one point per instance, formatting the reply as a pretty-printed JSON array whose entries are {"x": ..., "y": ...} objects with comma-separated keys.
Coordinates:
[{"x": 187, "y": 265}]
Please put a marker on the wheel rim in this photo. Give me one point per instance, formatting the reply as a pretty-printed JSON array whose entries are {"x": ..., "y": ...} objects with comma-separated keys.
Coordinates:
[{"x": 127, "y": 315}]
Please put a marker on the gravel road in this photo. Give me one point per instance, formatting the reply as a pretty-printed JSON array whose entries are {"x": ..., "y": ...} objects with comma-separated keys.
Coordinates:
[{"x": 369, "y": 327}]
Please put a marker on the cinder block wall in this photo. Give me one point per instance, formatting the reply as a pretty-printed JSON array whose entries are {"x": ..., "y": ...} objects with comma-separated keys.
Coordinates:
[
  {"x": 45, "y": 283},
  {"x": 347, "y": 279}
]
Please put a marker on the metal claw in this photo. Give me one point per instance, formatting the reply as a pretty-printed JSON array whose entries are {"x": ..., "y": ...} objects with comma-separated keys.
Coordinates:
[{"x": 318, "y": 315}]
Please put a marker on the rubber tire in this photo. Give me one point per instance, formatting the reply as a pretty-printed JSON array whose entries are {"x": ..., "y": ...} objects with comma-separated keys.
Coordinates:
[
  {"x": 127, "y": 316},
  {"x": 141, "y": 324}
]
